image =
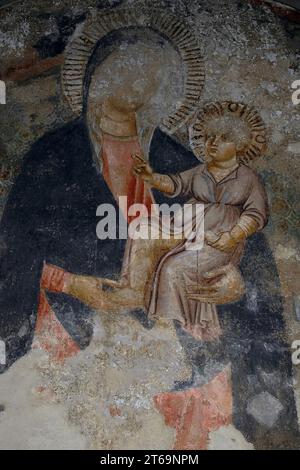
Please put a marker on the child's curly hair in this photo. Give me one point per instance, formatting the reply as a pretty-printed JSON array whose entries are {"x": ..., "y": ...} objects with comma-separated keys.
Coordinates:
[
  {"x": 231, "y": 127},
  {"x": 240, "y": 124}
]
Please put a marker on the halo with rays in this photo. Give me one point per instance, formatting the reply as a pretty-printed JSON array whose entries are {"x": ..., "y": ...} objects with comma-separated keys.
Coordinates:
[
  {"x": 235, "y": 113},
  {"x": 99, "y": 24}
]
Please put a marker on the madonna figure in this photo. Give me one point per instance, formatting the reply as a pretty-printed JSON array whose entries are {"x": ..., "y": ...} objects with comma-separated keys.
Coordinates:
[
  {"x": 132, "y": 81},
  {"x": 228, "y": 346}
]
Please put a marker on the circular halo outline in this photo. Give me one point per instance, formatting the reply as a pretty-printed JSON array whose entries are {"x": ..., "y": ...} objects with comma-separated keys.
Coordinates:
[
  {"x": 99, "y": 24},
  {"x": 258, "y": 134}
]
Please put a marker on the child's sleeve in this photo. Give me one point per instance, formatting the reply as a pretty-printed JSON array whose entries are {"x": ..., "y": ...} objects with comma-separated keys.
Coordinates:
[
  {"x": 255, "y": 211},
  {"x": 183, "y": 183}
]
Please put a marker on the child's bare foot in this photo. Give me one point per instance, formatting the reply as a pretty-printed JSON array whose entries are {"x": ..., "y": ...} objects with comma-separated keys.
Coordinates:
[{"x": 88, "y": 289}]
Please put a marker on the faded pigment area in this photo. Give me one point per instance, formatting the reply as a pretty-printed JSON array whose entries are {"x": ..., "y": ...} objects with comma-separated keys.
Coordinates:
[{"x": 82, "y": 378}]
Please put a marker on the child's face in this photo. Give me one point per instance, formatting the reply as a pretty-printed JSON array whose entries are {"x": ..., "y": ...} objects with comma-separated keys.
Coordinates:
[{"x": 220, "y": 148}]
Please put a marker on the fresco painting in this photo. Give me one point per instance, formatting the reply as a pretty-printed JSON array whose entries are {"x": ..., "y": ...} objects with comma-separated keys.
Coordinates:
[{"x": 179, "y": 341}]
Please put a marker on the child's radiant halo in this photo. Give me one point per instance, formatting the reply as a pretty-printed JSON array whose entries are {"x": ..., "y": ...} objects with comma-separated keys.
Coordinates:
[{"x": 242, "y": 122}]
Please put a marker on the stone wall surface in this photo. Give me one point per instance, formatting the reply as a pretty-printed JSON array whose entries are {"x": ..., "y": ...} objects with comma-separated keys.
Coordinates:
[{"x": 252, "y": 55}]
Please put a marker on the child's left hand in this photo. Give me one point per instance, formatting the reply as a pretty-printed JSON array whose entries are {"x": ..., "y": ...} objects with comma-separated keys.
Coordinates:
[{"x": 224, "y": 243}]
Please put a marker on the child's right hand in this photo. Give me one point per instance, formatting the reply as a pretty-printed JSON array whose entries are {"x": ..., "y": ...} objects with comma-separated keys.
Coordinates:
[{"x": 141, "y": 168}]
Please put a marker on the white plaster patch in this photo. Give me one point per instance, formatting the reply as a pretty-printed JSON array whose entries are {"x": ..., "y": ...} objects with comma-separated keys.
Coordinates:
[
  {"x": 32, "y": 420},
  {"x": 228, "y": 438},
  {"x": 108, "y": 388}
]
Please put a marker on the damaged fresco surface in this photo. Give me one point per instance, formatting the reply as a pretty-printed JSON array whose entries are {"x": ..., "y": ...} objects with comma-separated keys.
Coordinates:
[{"x": 111, "y": 344}]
